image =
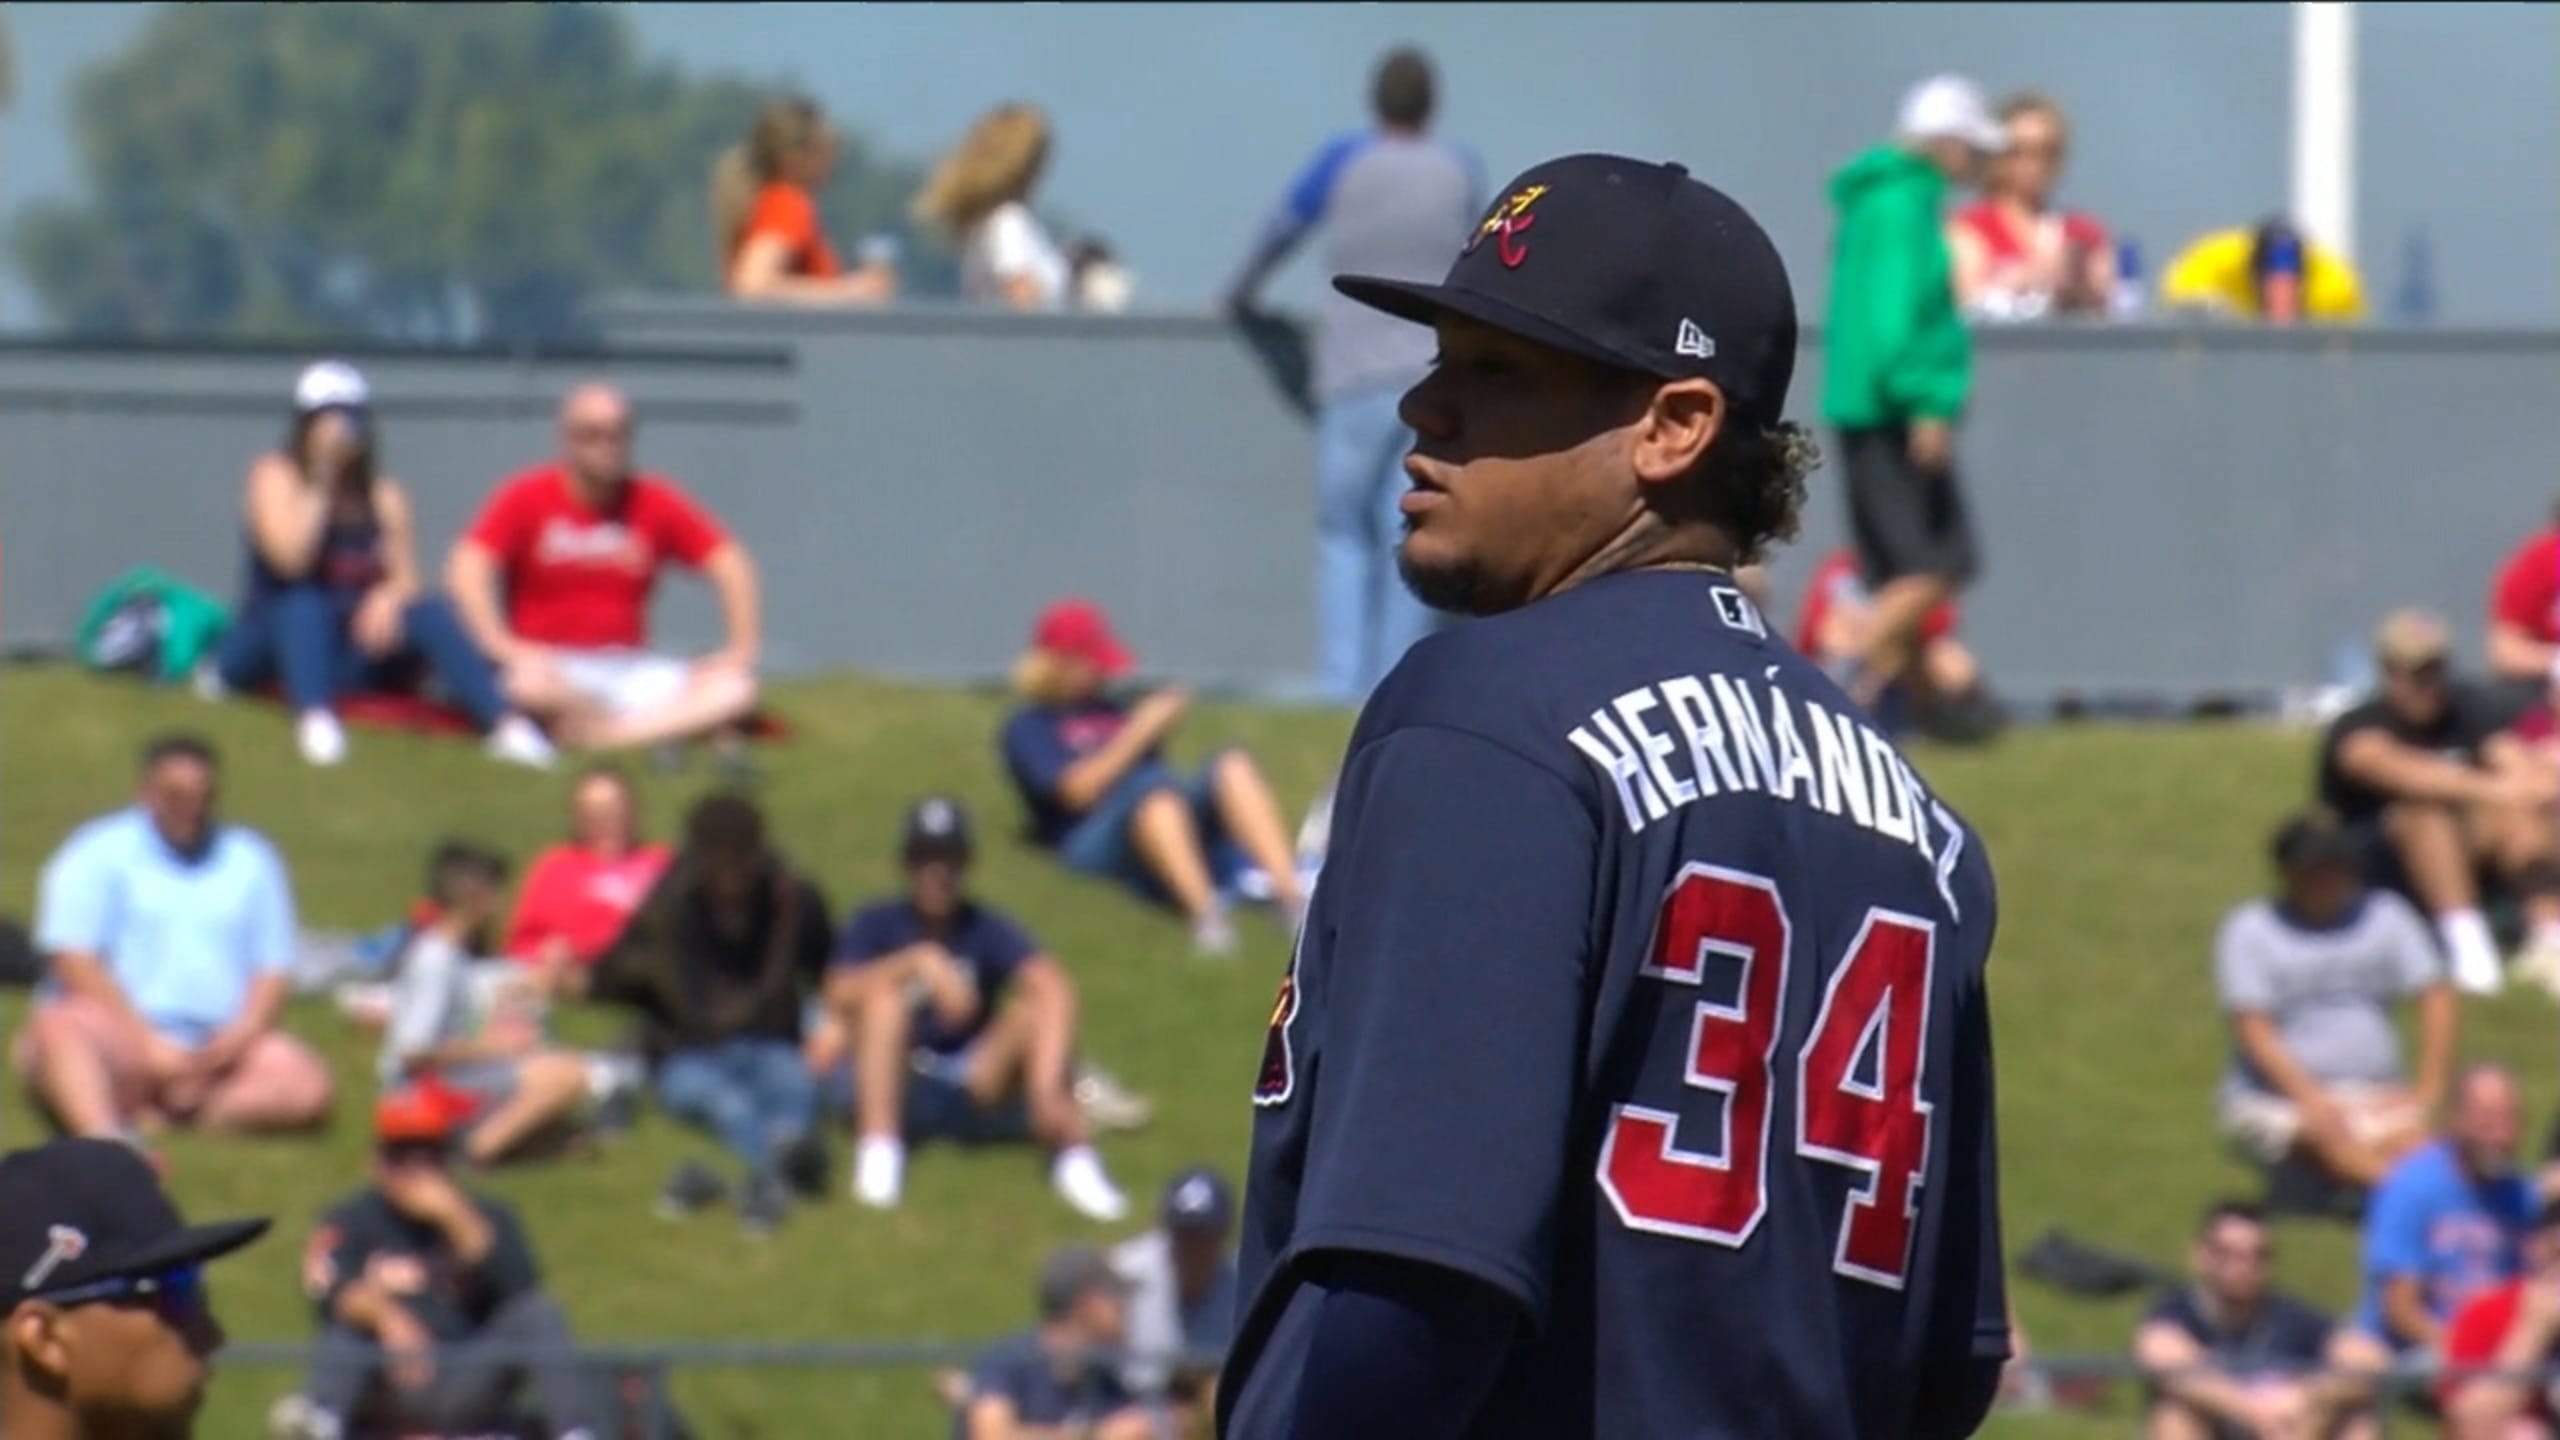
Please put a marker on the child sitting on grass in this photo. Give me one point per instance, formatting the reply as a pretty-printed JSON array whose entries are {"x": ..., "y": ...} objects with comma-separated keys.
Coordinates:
[{"x": 477, "y": 1027}]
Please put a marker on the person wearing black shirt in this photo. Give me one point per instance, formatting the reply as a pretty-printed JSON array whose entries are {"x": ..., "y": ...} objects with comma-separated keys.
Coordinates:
[
  {"x": 719, "y": 961},
  {"x": 2229, "y": 1356},
  {"x": 2425, "y": 772},
  {"x": 429, "y": 1298}
]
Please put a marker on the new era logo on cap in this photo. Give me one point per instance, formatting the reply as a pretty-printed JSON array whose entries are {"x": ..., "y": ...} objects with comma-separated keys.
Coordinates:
[{"x": 1630, "y": 264}]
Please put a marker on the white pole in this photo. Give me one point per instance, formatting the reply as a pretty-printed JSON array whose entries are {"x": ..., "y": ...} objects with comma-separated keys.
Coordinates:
[{"x": 2324, "y": 122}]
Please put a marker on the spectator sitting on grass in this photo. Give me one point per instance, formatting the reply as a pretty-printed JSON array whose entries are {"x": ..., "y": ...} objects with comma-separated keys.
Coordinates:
[
  {"x": 1942, "y": 689},
  {"x": 2308, "y": 978},
  {"x": 431, "y": 1308},
  {"x": 2445, "y": 1225},
  {"x": 480, "y": 1039},
  {"x": 959, "y": 1025},
  {"x": 764, "y": 199},
  {"x": 718, "y": 963},
  {"x": 333, "y": 604},
  {"x": 1057, "y": 1380},
  {"x": 1092, "y": 774},
  {"x": 2507, "y": 1335},
  {"x": 2229, "y": 1355},
  {"x": 2437, "y": 792},
  {"x": 554, "y": 580},
  {"x": 579, "y": 894},
  {"x": 1182, "y": 1293},
  {"x": 168, "y": 936},
  {"x": 2524, "y": 618}
]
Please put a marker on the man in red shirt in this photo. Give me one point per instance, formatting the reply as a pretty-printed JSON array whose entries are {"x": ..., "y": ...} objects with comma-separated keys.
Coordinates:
[
  {"x": 2510, "y": 1333},
  {"x": 554, "y": 580},
  {"x": 2524, "y": 616}
]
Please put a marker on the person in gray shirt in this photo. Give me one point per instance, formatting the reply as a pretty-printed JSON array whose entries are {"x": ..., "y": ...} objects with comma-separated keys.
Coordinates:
[
  {"x": 2309, "y": 977},
  {"x": 1394, "y": 201}
]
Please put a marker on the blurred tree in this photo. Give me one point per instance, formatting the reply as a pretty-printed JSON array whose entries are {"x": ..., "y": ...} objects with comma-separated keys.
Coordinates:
[{"x": 413, "y": 172}]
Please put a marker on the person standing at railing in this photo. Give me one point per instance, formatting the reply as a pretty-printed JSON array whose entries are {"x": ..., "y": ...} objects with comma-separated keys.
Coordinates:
[
  {"x": 980, "y": 196},
  {"x": 764, "y": 205},
  {"x": 2269, "y": 272},
  {"x": 2017, "y": 257},
  {"x": 1898, "y": 369},
  {"x": 1392, "y": 200}
]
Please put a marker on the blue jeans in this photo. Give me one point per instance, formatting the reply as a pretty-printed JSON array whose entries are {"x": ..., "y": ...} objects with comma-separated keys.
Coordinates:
[
  {"x": 1365, "y": 618},
  {"x": 1100, "y": 844},
  {"x": 756, "y": 1095},
  {"x": 302, "y": 638}
]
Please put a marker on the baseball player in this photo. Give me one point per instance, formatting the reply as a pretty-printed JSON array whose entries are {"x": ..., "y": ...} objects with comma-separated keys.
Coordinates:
[
  {"x": 108, "y": 1332},
  {"x": 1633, "y": 1074}
]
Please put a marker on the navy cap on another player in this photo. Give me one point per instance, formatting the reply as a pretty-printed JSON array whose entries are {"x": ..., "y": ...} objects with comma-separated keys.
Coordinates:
[
  {"x": 1627, "y": 263},
  {"x": 1199, "y": 1199},
  {"x": 937, "y": 828},
  {"x": 74, "y": 1213}
]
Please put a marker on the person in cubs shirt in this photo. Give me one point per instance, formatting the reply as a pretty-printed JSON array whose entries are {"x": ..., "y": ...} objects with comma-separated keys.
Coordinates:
[
  {"x": 1632, "y": 1077},
  {"x": 554, "y": 581}
]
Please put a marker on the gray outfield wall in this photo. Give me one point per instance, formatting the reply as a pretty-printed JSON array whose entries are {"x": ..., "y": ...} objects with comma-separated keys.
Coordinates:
[{"x": 2167, "y": 513}]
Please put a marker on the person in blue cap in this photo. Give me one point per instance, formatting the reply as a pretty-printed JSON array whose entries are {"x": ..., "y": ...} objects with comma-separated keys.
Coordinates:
[
  {"x": 109, "y": 1332},
  {"x": 1633, "y": 1072}
]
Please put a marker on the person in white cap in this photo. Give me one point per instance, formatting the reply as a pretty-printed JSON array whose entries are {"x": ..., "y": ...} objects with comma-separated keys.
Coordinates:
[
  {"x": 1898, "y": 366},
  {"x": 332, "y": 603}
]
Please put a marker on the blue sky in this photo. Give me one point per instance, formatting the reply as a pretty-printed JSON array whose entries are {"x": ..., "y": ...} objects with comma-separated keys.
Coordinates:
[{"x": 1178, "y": 124}]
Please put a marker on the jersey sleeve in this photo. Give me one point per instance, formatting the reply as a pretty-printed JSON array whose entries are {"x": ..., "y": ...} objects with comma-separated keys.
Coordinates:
[
  {"x": 2413, "y": 950},
  {"x": 1969, "y": 1318},
  {"x": 2240, "y": 975},
  {"x": 1457, "y": 931},
  {"x": 75, "y": 900},
  {"x": 1003, "y": 946},
  {"x": 784, "y": 213},
  {"x": 2395, "y": 1234},
  {"x": 2527, "y": 591},
  {"x": 505, "y": 526},
  {"x": 1036, "y": 754},
  {"x": 683, "y": 527}
]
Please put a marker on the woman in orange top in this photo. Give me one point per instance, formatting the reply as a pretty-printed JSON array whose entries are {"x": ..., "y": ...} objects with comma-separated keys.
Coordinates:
[{"x": 764, "y": 202}]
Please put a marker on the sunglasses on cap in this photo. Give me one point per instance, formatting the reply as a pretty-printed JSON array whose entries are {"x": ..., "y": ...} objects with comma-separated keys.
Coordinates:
[{"x": 176, "y": 1293}]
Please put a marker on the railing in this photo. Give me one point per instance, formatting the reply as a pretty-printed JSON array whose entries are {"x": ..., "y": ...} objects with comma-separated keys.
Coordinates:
[{"x": 637, "y": 1372}]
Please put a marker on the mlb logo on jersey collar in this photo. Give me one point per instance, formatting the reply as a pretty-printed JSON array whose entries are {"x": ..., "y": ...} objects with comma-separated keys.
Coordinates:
[{"x": 1737, "y": 612}]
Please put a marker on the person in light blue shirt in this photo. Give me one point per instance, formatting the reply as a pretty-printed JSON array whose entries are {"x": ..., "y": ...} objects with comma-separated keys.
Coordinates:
[
  {"x": 167, "y": 935},
  {"x": 1396, "y": 201},
  {"x": 2449, "y": 1221}
]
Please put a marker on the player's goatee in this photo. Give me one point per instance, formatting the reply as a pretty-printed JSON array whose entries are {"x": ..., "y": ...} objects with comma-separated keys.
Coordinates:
[{"x": 1455, "y": 589}]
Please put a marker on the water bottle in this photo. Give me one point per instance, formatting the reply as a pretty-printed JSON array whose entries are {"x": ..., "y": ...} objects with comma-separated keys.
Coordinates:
[{"x": 2126, "y": 304}]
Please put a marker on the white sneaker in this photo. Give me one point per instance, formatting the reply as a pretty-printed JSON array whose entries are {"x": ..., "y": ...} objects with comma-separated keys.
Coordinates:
[
  {"x": 1079, "y": 1181},
  {"x": 2539, "y": 964},
  {"x": 1109, "y": 1105},
  {"x": 519, "y": 741},
  {"x": 1213, "y": 937},
  {"x": 2478, "y": 971},
  {"x": 879, "y": 1173},
  {"x": 322, "y": 738},
  {"x": 295, "y": 1418}
]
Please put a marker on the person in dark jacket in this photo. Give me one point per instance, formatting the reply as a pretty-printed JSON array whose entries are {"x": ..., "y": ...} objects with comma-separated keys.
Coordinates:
[
  {"x": 1898, "y": 367},
  {"x": 420, "y": 1285},
  {"x": 719, "y": 963}
]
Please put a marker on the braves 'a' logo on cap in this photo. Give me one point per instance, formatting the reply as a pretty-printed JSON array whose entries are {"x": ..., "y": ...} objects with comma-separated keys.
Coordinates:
[
  {"x": 1508, "y": 223},
  {"x": 62, "y": 1245}
]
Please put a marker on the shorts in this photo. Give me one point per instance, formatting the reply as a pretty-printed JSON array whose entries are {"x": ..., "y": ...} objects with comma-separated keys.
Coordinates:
[
  {"x": 2265, "y": 1125},
  {"x": 938, "y": 1104},
  {"x": 1905, "y": 520},
  {"x": 1099, "y": 843},
  {"x": 489, "y": 1083},
  {"x": 624, "y": 682}
]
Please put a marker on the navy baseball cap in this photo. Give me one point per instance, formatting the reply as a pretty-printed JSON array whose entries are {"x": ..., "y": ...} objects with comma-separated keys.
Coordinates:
[
  {"x": 937, "y": 828},
  {"x": 78, "y": 1211},
  {"x": 1628, "y": 264},
  {"x": 1198, "y": 1199}
]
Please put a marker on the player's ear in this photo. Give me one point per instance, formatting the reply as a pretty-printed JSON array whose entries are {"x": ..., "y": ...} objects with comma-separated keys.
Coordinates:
[
  {"x": 37, "y": 1341},
  {"x": 1677, "y": 426}
]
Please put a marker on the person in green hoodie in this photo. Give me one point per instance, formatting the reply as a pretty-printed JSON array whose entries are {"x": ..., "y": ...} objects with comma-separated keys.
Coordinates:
[{"x": 1898, "y": 366}]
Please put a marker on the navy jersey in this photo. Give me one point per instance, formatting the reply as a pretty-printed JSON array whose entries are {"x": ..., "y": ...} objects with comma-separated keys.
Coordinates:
[
  {"x": 987, "y": 945},
  {"x": 1643, "y": 984}
]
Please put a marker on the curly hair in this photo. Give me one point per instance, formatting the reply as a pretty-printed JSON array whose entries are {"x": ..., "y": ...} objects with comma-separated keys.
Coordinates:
[{"x": 1751, "y": 485}]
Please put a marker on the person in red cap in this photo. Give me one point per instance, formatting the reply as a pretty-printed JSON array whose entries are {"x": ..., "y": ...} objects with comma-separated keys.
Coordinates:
[
  {"x": 1092, "y": 773},
  {"x": 412, "y": 1275}
]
